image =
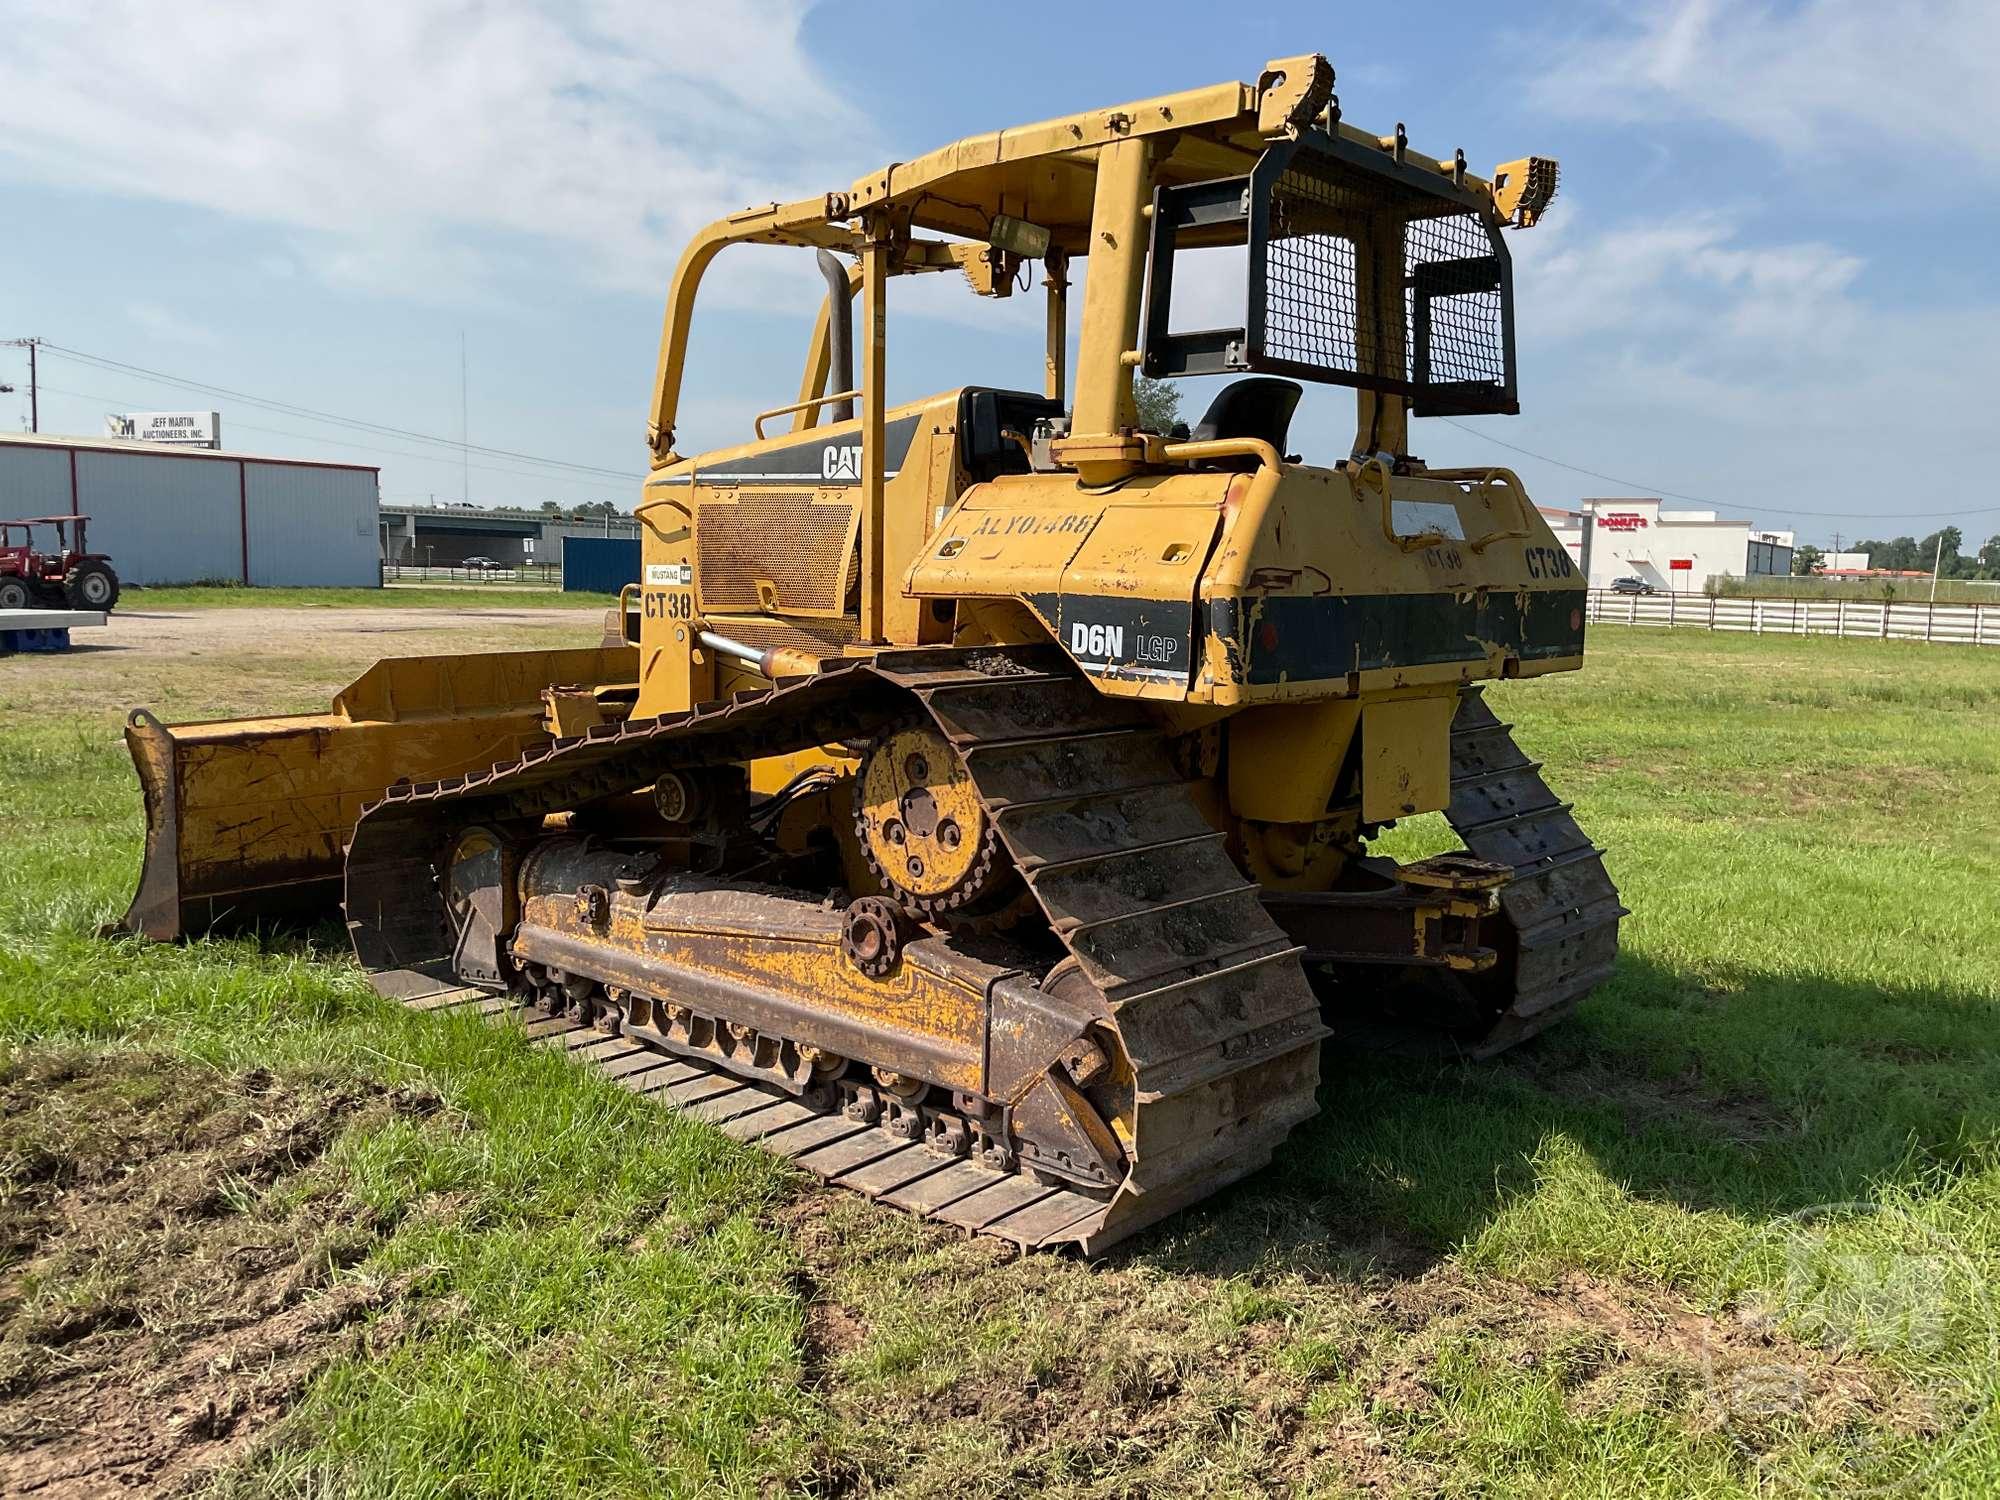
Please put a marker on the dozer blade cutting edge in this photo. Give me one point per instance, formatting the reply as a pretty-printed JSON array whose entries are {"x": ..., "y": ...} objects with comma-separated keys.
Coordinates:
[{"x": 250, "y": 817}]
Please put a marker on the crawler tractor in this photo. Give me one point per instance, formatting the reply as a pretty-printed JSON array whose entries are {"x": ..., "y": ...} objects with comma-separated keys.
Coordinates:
[{"x": 973, "y": 801}]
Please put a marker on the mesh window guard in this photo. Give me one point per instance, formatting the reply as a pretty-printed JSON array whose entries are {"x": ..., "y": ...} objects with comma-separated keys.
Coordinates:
[{"x": 1362, "y": 271}]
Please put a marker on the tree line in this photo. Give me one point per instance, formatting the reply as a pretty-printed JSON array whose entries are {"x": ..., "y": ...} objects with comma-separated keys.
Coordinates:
[
  {"x": 1915, "y": 555},
  {"x": 590, "y": 510}
]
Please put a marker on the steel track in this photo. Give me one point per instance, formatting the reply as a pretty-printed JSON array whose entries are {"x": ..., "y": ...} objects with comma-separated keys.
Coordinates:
[
  {"x": 1206, "y": 992},
  {"x": 1559, "y": 936},
  {"x": 857, "y": 1157}
]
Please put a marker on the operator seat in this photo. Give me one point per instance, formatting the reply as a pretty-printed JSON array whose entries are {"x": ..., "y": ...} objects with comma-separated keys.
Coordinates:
[{"x": 1258, "y": 407}]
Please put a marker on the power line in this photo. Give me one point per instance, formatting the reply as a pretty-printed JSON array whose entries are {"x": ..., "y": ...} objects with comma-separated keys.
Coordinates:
[
  {"x": 1651, "y": 489},
  {"x": 465, "y": 448},
  {"x": 312, "y": 414}
]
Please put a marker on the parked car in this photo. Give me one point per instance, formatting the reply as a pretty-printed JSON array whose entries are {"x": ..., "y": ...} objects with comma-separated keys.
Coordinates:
[
  {"x": 483, "y": 564},
  {"x": 1632, "y": 584}
]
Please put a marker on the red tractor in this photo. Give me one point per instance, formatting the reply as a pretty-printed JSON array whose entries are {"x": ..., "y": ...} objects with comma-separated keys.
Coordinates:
[{"x": 70, "y": 576}]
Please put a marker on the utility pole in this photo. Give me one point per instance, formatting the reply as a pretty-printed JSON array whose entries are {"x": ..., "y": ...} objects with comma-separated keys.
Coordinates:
[
  {"x": 34, "y": 389},
  {"x": 464, "y": 451},
  {"x": 1936, "y": 562}
]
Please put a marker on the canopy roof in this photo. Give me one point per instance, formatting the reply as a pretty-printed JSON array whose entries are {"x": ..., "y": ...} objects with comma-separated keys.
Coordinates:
[{"x": 1045, "y": 173}]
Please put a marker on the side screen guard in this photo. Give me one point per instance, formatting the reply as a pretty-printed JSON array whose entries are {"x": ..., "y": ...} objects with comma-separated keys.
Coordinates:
[{"x": 1334, "y": 229}]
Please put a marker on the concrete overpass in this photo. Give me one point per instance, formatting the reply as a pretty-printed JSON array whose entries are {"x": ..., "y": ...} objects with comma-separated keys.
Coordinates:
[{"x": 444, "y": 535}]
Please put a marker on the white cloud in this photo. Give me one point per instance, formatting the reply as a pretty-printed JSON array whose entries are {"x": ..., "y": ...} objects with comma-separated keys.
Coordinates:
[
  {"x": 168, "y": 326},
  {"x": 1759, "y": 375},
  {"x": 1820, "y": 80},
  {"x": 419, "y": 147},
  {"x": 1698, "y": 347},
  {"x": 1695, "y": 278}
]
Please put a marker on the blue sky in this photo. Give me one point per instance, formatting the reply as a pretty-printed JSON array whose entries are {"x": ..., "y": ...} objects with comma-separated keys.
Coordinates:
[{"x": 1767, "y": 283}]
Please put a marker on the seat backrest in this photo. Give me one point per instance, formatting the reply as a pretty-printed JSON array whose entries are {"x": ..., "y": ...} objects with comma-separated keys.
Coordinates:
[{"x": 1259, "y": 406}]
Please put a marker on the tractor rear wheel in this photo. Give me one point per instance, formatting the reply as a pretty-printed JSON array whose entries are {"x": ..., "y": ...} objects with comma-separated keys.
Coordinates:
[
  {"x": 14, "y": 594},
  {"x": 91, "y": 585}
]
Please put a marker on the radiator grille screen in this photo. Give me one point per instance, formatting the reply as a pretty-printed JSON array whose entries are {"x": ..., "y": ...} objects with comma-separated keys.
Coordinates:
[{"x": 800, "y": 545}]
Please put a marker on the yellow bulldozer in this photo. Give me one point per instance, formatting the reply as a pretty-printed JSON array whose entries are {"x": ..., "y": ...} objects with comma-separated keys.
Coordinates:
[{"x": 972, "y": 801}]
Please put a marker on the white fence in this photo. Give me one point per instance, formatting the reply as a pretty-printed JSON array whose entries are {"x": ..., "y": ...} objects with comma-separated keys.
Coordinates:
[
  {"x": 534, "y": 575},
  {"x": 1866, "y": 619}
]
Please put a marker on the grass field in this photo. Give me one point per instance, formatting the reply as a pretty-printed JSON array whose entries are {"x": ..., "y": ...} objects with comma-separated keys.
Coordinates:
[
  {"x": 339, "y": 1249},
  {"x": 396, "y": 596}
]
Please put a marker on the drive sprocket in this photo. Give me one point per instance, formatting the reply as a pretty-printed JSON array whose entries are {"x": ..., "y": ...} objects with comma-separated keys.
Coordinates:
[{"x": 921, "y": 824}]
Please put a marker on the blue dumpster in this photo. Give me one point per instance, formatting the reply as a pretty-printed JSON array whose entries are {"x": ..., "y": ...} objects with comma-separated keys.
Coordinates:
[{"x": 599, "y": 564}]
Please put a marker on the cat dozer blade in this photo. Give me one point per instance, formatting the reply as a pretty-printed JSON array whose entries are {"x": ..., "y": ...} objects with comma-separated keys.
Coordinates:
[{"x": 248, "y": 818}]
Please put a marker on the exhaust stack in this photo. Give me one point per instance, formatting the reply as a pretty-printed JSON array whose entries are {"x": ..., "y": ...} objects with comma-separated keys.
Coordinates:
[{"x": 839, "y": 333}]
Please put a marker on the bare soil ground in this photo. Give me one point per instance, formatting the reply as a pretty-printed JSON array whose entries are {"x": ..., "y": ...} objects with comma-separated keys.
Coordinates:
[
  {"x": 1334, "y": 1348},
  {"x": 170, "y": 1240},
  {"x": 179, "y": 635},
  {"x": 201, "y": 663}
]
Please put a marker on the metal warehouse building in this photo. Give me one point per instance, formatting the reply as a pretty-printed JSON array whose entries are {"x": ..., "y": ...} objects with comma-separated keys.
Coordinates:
[{"x": 187, "y": 515}]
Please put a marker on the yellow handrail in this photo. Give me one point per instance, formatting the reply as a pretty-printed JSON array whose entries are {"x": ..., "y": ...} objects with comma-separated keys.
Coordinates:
[
  {"x": 1242, "y": 447},
  {"x": 1488, "y": 480},
  {"x": 786, "y": 411},
  {"x": 663, "y": 501},
  {"x": 1421, "y": 539}
]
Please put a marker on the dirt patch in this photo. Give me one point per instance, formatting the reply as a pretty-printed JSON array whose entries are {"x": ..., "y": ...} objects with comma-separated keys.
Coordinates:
[
  {"x": 171, "y": 1249},
  {"x": 1187, "y": 1370},
  {"x": 1611, "y": 1346},
  {"x": 188, "y": 663},
  {"x": 1808, "y": 790},
  {"x": 1682, "y": 1101},
  {"x": 306, "y": 632},
  {"x": 833, "y": 1332},
  {"x": 1584, "y": 1327}
]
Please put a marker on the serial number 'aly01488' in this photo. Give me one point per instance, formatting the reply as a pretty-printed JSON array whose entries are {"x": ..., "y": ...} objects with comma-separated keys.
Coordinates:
[{"x": 1030, "y": 524}]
